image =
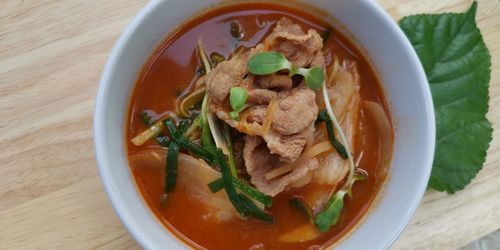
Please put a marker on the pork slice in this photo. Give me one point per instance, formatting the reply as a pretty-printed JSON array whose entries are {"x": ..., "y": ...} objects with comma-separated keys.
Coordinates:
[
  {"x": 259, "y": 161},
  {"x": 289, "y": 39},
  {"x": 288, "y": 147},
  {"x": 295, "y": 112},
  {"x": 318, "y": 60},
  {"x": 261, "y": 96},
  {"x": 275, "y": 81},
  {"x": 226, "y": 75},
  {"x": 256, "y": 114}
]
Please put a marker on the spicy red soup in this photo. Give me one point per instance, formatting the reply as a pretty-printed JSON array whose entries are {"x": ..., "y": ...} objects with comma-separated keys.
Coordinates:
[{"x": 228, "y": 33}]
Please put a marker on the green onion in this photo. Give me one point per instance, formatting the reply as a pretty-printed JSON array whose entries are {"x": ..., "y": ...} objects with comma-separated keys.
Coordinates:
[
  {"x": 301, "y": 206},
  {"x": 194, "y": 125},
  {"x": 183, "y": 126},
  {"x": 323, "y": 117},
  {"x": 187, "y": 144},
  {"x": 255, "y": 211},
  {"x": 163, "y": 140},
  {"x": 229, "y": 143},
  {"x": 171, "y": 174},
  {"x": 228, "y": 184},
  {"x": 218, "y": 184}
]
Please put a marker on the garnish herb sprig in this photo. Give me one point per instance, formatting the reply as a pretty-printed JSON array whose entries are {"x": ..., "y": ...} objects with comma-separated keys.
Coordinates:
[
  {"x": 266, "y": 63},
  {"x": 330, "y": 215},
  {"x": 238, "y": 97}
]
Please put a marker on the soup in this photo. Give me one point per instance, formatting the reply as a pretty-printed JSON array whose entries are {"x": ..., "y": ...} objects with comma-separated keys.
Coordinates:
[{"x": 258, "y": 126}]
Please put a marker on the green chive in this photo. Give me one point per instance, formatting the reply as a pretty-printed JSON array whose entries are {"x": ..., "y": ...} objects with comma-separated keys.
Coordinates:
[
  {"x": 301, "y": 206},
  {"x": 203, "y": 153},
  {"x": 218, "y": 184},
  {"x": 171, "y": 174},
  {"x": 228, "y": 185},
  {"x": 323, "y": 117},
  {"x": 255, "y": 211}
]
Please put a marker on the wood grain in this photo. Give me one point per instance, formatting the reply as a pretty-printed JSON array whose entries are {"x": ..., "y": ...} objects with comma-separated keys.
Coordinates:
[{"x": 51, "y": 57}]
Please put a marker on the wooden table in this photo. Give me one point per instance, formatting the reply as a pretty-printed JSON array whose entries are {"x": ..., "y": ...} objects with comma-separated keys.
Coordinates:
[{"x": 51, "y": 57}]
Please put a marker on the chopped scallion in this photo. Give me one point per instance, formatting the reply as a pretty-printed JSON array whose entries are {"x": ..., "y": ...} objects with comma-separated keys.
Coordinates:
[
  {"x": 217, "y": 185},
  {"x": 323, "y": 117},
  {"x": 301, "y": 206},
  {"x": 228, "y": 184},
  {"x": 171, "y": 174},
  {"x": 255, "y": 211},
  {"x": 187, "y": 144}
]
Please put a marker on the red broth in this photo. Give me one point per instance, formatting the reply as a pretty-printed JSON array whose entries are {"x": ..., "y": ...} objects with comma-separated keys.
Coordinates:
[{"x": 172, "y": 70}]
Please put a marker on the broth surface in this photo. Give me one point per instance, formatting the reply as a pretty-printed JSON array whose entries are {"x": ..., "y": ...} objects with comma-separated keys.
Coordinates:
[{"x": 172, "y": 70}]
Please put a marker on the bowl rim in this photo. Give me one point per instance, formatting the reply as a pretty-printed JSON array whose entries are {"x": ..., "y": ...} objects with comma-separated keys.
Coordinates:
[{"x": 120, "y": 47}]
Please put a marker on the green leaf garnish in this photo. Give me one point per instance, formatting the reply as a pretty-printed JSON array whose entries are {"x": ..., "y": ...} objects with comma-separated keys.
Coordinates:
[
  {"x": 237, "y": 98},
  {"x": 266, "y": 63},
  {"x": 330, "y": 215},
  {"x": 457, "y": 64},
  {"x": 314, "y": 77},
  {"x": 234, "y": 115}
]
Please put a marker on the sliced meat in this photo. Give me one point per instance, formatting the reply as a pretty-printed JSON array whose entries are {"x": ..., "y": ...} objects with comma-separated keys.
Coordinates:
[
  {"x": 261, "y": 96},
  {"x": 275, "y": 81},
  {"x": 318, "y": 60},
  {"x": 288, "y": 147},
  {"x": 289, "y": 39},
  {"x": 256, "y": 114},
  {"x": 259, "y": 161},
  {"x": 227, "y": 74},
  {"x": 296, "y": 111}
]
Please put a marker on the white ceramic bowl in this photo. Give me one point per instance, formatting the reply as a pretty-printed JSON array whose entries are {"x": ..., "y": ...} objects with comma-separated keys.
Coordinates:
[{"x": 386, "y": 46}]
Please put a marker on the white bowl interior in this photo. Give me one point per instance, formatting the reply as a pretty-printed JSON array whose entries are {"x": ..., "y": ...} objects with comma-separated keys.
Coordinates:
[{"x": 393, "y": 58}]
